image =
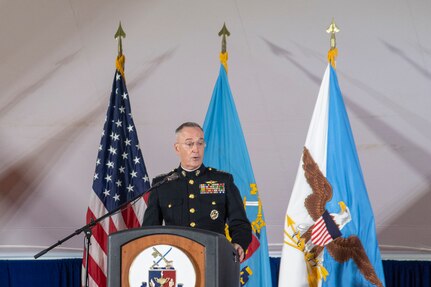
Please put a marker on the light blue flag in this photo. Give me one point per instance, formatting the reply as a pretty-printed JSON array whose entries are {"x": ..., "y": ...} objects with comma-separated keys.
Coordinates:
[
  {"x": 227, "y": 150},
  {"x": 331, "y": 240},
  {"x": 344, "y": 173}
]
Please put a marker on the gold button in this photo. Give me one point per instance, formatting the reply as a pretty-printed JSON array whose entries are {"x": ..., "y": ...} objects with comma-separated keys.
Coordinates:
[
  {"x": 213, "y": 203},
  {"x": 191, "y": 196},
  {"x": 192, "y": 224},
  {"x": 191, "y": 181},
  {"x": 169, "y": 205},
  {"x": 192, "y": 210}
]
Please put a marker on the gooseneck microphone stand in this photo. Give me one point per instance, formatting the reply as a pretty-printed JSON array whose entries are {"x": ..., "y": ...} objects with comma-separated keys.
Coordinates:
[{"x": 87, "y": 229}]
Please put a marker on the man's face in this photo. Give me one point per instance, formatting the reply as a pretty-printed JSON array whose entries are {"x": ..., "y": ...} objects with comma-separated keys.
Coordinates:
[{"x": 190, "y": 147}]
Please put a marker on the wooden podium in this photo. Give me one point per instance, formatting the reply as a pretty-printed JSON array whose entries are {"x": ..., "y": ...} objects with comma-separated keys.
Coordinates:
[{"x": 160, "y": 256}]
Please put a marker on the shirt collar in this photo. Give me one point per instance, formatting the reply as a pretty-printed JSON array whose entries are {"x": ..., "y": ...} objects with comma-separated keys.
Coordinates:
[{"x": 190, "y": 174}]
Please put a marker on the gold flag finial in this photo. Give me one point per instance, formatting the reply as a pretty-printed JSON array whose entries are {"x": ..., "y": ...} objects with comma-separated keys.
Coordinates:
[
  {"x": 118, "y": 35},
  {"x": 333, "y": 51},
  {"x": 332, "y": 29},
  {"x": 119, "y": 63},
  {"x": 223, "y": 32},
  {"x": 223, "y": 54}
]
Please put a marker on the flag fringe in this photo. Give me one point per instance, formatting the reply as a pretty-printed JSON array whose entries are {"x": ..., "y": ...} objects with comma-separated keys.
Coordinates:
[
  {"x": 223, "y": 60},
  {"x": 119, "y": 64},
  {"x": 332, "y": 54}
]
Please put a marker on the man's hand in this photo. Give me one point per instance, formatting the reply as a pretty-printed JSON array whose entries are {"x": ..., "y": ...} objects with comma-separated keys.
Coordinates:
[{"x": 239, "y": 251}]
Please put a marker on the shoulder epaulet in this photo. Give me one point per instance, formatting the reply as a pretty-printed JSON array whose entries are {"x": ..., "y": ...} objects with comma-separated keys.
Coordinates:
[
  {"x": 160, "y": 177},
  {"x": 218, "y": 170}
]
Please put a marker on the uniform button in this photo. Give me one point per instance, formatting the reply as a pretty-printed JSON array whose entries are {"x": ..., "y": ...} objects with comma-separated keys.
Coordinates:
[
  {"x": 169, "y": 205},
  {"x": 192, "y": 210},
  {"x": 213, "y": 203},
  {"x": 191, "y": 181},
  {"x": 192, "y": 224},
  {"x": 191, "y": 196}
]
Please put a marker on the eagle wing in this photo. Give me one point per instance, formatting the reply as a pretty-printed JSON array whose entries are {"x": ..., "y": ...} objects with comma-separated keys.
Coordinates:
[
  {"x": 322, "y": 190},
  {"x": 342, "y": 249}
]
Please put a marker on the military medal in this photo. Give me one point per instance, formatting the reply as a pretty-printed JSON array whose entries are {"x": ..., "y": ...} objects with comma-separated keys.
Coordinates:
[
  {"x": 211, "y": 187},
  {"x": 214, "y": 214}
]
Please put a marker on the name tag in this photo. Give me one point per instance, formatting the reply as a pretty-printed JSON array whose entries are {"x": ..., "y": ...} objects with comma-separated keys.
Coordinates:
[{"x": 211, "y": 187}]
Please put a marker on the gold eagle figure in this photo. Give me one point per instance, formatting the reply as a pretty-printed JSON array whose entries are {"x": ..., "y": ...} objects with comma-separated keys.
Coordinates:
[
  {"x": 161, "y": 280},
  {"x": 341, "y": 249}
]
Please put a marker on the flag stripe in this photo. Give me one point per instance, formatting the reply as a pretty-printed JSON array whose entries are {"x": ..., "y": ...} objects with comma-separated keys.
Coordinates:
[
  {"x": 97, "y": 262},
  {"x": 139, "y": 208},
  {"x": 130, "y": 218},
  {"x": 96, "y": 273},
  {"x": 95, "y": 210},
  {"x": 116, "y": 222},
  {"x": 99, "y": 234},
  {"x": 98, "y": 255}
]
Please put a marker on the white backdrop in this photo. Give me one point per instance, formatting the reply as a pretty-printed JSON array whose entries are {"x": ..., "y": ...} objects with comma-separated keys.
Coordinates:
[{"x": 57, "y": 67}]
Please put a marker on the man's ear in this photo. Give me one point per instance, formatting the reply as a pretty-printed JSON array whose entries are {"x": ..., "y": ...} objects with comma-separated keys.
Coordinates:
[{"x": 176, "y": 147}]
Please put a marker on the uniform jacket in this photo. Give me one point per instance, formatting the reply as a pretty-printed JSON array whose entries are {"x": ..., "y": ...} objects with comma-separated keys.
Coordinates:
[{"x": 205, "y": 198}]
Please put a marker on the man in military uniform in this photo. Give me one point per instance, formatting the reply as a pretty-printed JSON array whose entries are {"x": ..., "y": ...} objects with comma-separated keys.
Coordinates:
[{"x": 197, "y": 196}]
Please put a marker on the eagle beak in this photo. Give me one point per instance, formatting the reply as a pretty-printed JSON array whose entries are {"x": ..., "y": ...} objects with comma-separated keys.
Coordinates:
[{"x": 342, "y": 206}]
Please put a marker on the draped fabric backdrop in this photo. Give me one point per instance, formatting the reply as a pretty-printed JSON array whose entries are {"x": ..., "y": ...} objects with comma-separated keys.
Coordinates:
[{"x": 57, "y": 66}]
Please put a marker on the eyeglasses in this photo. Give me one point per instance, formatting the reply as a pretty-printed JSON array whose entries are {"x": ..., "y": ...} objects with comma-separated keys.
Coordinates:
[{"x": 190, "y": 144}]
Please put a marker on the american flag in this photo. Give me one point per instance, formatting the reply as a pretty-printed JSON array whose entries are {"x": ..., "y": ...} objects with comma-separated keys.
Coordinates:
[{"x": 120, "y": 176}]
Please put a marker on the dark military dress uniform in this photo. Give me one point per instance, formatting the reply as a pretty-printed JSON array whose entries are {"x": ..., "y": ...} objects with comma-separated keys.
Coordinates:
[{"x": 205, "y": 198}]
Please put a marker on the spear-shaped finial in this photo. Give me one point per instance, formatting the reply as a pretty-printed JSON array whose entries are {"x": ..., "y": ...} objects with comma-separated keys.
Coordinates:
[
  {"x": 332, "y": 29},
  {"x": 119, "y": 63},
  {"x": 333, "y": 51},
  {"x": 223, "y": 32},
  {"x": 118, "y": 35}
]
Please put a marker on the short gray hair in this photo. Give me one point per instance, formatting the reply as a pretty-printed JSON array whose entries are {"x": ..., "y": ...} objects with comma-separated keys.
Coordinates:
[{"x": 188, "y": 125}]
